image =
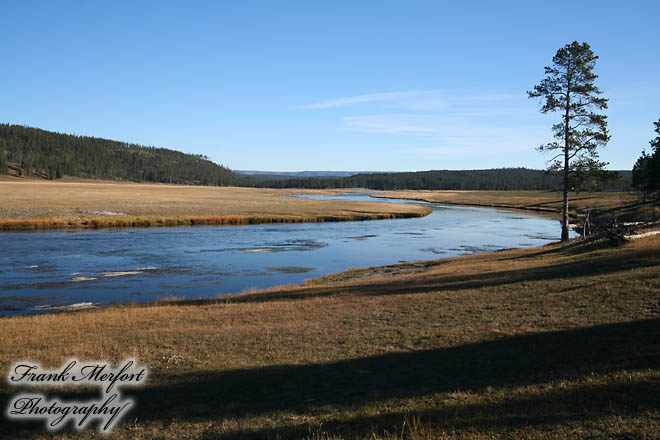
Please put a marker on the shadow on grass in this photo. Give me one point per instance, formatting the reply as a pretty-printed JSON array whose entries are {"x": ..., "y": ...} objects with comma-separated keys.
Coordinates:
[
  {"x": 424, "y": 283},
  {"x": 547, "y": 410},
  {"x": 512, "y": 361},
  {"x": 590, "y": 265},
  {"x": 577, "y": 247}
]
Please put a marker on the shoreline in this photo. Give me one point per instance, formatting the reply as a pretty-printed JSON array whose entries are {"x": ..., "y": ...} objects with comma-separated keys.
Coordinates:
[
  {"x": 548, "y": 211},
  {"x": 38, "y": 205},
  {"x": 20, "y": 225},
  {"x": 624, "y": 206},
  {"x": 43, "y": 205}
]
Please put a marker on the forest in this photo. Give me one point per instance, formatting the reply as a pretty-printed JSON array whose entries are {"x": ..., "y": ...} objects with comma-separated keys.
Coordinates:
[
  {"x": 40, "y": 153},
  {"x": 26, "y": 151},
  {"x": 492, "y": 179}
]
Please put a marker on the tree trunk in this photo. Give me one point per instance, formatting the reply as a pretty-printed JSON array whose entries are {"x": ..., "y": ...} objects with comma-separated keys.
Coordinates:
[
  {"x": 567, "y": 120},
  {"x": 564, "y": 215},
  {"x": 564, "y": 218}
]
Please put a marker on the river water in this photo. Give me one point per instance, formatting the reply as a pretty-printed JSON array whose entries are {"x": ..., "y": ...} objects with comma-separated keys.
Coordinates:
[{"x": 41, "y": 271}]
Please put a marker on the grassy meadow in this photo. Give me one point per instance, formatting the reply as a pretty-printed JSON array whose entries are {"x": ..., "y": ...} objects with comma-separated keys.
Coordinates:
[
  {"x": 556, "y": 342},
  {"x": 40, "y": 204},
  {"x": 626, "y": 206}
]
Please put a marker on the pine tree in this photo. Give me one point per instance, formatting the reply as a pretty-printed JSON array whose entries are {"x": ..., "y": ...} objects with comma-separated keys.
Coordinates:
[
  {"x": 569, "y": 88},
  {"x": 646, "y": 172}
]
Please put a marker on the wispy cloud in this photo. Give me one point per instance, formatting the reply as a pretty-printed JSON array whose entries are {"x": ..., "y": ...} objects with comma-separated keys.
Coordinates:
[
  {"x": 434, "y": 122},
  {"x": 360, "y": 99},
  {"x": 394, "y": 123},
  {"x": 442, "y": 134},
  {"x": 471, "y": 146},
  {"x": 419, "y": 100},
  {"x": 444, "y": 124}
]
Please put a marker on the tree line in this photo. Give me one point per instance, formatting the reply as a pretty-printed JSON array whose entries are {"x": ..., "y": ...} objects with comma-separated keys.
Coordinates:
[
  {"x": 493, "y": 179},
  {"x": 35, "y": 152},
  {"x": 646, "y": 172}
]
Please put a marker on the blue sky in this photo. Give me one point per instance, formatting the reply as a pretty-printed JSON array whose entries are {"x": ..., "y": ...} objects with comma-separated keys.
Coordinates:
[{"x": 336, "y": 85}]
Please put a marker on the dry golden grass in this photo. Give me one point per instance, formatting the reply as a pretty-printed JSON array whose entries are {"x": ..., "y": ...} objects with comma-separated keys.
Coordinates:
[
  {"x": 39, "y": 204},
  {"x": 624, "y": 204},
  {"x": 554, "y": 342}
]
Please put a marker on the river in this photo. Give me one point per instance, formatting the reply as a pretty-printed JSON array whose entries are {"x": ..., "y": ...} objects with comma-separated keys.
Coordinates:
[{"x": 52, "y": 270}]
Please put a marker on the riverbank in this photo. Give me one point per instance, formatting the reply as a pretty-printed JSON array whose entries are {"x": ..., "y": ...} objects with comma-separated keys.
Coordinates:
[
  {"x": 625, "y": 206},
  {"x": 552, "y": 342},
  {"x": 27, "y": 204}
]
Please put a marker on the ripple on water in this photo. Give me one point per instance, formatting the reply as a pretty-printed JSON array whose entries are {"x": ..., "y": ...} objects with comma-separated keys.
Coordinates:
[
  {"x": 433, "y": 251},
  {"x": 290, "y": 269},
  {"x": 362, "y": 237}
]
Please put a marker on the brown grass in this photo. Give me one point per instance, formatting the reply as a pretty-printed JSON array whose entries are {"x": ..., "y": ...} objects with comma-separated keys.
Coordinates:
[
  {"x": 37, "y": 204},
  {"x": 554, "y": 342},
  {"x": 625, "y": 205}
]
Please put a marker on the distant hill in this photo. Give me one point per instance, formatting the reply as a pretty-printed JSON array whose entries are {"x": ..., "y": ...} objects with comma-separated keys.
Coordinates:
[
  {"x": 280, "y": 175},
  {"x": 491, "y": 179},
  {"x": 50, "y": 155},
  {"x": 35, "y": 152}
]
